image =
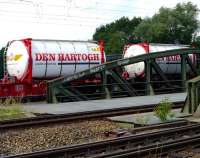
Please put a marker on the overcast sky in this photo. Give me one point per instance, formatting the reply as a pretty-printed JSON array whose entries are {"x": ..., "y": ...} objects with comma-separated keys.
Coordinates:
[{"x": 69, "y": 19}]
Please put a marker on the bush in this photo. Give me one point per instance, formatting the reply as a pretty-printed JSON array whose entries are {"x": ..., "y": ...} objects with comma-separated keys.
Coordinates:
[{"x": 163, "y": 109}]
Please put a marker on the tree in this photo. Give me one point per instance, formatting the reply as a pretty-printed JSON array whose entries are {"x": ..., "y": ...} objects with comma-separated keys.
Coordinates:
[
  {"x": 196, "y": 42},
  {"x": 177, "y": 25},
  {"x": 116, "y": 34}
]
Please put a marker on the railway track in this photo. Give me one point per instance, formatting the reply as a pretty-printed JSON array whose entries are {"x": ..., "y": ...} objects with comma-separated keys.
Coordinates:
[
  {"x": 140, "y": 145},
  {"x": 49, "y": 119}
]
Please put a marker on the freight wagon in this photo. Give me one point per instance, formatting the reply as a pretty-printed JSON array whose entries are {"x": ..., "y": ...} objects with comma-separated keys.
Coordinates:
[
  {"x": 169, "y": 65},
  {"x": 28, "y": 63}
]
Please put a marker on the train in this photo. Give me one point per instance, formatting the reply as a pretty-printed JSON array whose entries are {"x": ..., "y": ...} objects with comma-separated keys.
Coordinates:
[
  {"x": 27, "y": 64},
  {"x": 45, "y": 59},
  {"x": 169, "y": 65}
]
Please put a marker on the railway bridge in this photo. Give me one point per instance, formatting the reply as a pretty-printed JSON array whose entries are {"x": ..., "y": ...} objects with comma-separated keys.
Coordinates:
[{"x": 114, "y": 85}]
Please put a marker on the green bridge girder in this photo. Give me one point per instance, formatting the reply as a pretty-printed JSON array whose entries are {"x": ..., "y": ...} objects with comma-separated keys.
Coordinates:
[
  {"x": 193, "y": 95},
  {"x": 148, "y": 59}
]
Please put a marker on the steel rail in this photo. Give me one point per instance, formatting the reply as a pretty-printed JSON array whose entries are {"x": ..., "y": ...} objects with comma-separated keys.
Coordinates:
[
  {"x": 159, "y": 149},
  {"x": 133, "y": 144},
  {"x": 41, "y": 120},
  {"x": 172, "y": 124}
]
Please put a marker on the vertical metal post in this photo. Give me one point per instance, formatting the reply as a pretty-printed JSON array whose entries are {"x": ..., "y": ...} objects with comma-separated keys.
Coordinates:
[
  {"x": 196, "y": 96},
  {"x": 148, "y": 73},
  {"x": 51, "y": 98},
  {"x": 193, "y": 98},
  {"x": 192, "y": 102},
  {"x": 104, "y": 86},
  {"x": 189, "y": 97},
  {"x": 49, "y": 94},
  {"x": 183, "y": 71},
  {"x": 198, "y": 62}
]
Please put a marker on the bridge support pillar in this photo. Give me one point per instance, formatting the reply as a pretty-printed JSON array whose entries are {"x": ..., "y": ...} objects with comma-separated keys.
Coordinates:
[
  {"x": 51, "y": 98},
  {"x": 148, "y": 74},
  {"x": 105, "y": 88},
  {"x": 183, "y": 71},
  {"x": 193, "y": 98}
]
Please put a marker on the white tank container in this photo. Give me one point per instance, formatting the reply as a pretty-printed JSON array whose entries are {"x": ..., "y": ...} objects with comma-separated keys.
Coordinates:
[
  {"x": 169, "y": 65},
  {"x": 44, "y": 59}
]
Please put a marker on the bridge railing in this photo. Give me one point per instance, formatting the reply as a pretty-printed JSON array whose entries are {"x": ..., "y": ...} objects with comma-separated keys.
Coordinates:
[
  {"x": 115, "y": 90},
  {"x": 60, "y": 85},
  {"x": 193, "y": 98}
]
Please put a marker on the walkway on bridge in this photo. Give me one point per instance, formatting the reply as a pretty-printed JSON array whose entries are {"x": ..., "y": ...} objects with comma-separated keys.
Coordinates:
[{"x": 94, "y": 105}]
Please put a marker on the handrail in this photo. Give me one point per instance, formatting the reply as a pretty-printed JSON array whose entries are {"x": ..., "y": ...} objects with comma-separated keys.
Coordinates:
[
  {"x": 193, "y": 98},
  {"x": 54, "y": 86},
  {"x": 124, "y": 62}
]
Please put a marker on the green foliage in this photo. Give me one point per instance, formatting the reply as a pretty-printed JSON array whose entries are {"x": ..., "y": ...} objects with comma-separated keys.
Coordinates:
[
  {"x": 148, "y": 30},
  {"x": 169, "y": 25},
  {"x": 116, "y": 34},
  {"x": 177, "y": 25},
  {"x": 163, "y": 110},
  {"x": 11, "y": 112},
  {"x": 10, "y": 108},
  {"x": 196, "y": 42}
]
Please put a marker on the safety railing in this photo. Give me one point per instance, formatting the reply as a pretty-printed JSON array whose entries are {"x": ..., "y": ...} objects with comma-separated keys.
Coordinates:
[
  {"x": 113, "y": 70},
  {"x": 193, "y": 98},
  {"x": 115, "y": 90}
]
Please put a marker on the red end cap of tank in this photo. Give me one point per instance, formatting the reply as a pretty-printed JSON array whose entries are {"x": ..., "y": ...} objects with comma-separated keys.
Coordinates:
[
  {"x": 145, "y": 46},
  {"x": 28, "y": 76},
  {"x": 101, "y": 45}
]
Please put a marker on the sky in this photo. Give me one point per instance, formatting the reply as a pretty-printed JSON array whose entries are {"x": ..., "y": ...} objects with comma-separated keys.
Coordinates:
[{"x": 70, "y": 19}]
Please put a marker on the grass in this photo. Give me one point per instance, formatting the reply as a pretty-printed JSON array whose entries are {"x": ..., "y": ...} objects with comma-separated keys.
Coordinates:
[
  {"x": 10, "y": 109},
  {"x": 163, "y": 110},
  {"x": 11, "y": 112}
]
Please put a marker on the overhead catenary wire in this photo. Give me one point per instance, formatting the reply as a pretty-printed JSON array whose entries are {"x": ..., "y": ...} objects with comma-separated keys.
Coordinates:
[
  {"x": 126, "y": 9},
  {"x": 69, "y": 13},
  {"x": 99, "y": 9},
  {"x": 25, "y": 14},
  {"x": 102, "y": 5},
  {"x": 41, "y": 16}
]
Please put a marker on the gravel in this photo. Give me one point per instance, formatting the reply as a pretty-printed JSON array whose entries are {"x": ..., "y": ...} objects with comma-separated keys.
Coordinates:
[
  {"x": 51, "y": 136},
  {"x": 188, "y": 153}
]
